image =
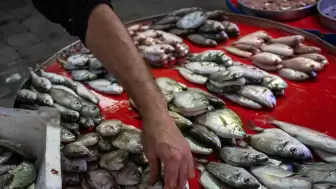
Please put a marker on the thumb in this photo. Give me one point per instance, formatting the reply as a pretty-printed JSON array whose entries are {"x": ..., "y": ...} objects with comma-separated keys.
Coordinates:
[{"x": 155, "y": 169}]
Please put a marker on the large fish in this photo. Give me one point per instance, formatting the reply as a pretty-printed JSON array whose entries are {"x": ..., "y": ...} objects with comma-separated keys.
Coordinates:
[
  {"x": 40, "y": 83},
  {"x": 114, "y": 161},
  {"x": 66, "y": 99},
  {"x": 204, "y": 135},
  {"x": 129, "y": 140},
  {"x": 188, "y": 101}
]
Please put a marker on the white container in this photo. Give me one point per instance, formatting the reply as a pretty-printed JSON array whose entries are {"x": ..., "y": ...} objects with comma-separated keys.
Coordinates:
[{"x": 39, "y": 134}]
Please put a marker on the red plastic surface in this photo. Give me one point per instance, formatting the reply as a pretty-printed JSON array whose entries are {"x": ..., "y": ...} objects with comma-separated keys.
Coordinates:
[
  {"x": 311, "y": 104},
  {"x": 308, "y": 23}
]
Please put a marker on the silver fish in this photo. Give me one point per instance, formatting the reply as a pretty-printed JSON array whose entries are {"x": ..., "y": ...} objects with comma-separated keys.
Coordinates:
[
  {"x": 249, "y": 72},
  {"x": 316, "y": 57},
  {"x": 302, "y": 64},
  {"x": 211, "y": 26},
  {"x": 168, "y": 20},
  {"x": 89, "y": 139},
  {"x": 100, "y": 179},
  {"x": 258, "y": 35},
  {"x": 200, "y": 40},
  {"x": 238, "y": 52},
  {"x": 219, "y": 36},
  {"x": 185, "y": 113},
  {"x": 224, "y": 122},
  {"x": 293, "y": 75},
  {"x": 64, "y": 88},
  {"x": 281, "y": 179},
  {"x": 89, "y": 109},
  {"x": 267, "y": 58},
  {"x": 184, "y": 11},
  {"x": 5, "y": 156},
  {"x": 216, "y": 15},
  {"x": 279, "y": 49},
  {"x": 76, "y": 150},
  {"x": 180, "y": 121},
  {"x": 24, "y": 175},
  {"x": 204, "y": 135},
  {"x": 292, "y": 40},
  {"x": 85, "y": 93},
  {"x": 266, "y": 67},
  {"x": 216, "y": 56},
  {"x": 66, "y": 99},
  {"x": 304, "y": 49},
  {"x": 248, "y": 48},
  {"x": 168, "y": 85},
  {"x": 67, "y": 135},
  {"x": 95, "y": 64},
  {"x": 213, "y": 99},
  {"x": 231, "y": 29},
  {"x": 280, "y": 164},
  {"x": 325, "y": 156},
  {"x": 189, "y": 101},
  {"x": 162, "y": 26},
  {"x": 191, "y": 76},
  {"x": 109, "y": 128},
  {"x": 73, "y": 166},
  {"x": 324, "y": 186},
  {"x": 110, "y": 77},
  {"x": 86, "y": 122},
  {"x": 226, "y": 75},
  {"x": 192, "y": 20},
  {"x": 169, "y": 38},
  {"x": 40, "y": 83},
  {"x": 242, "y": 157},
  {"x": 70, "y": 125},
  {"x": 208, "y": 181},
  {"x": 238, "y": 82},
  {"x": 307, "y": 136},
  {"x": 128, "y": 140},
  {"x": 104, "y": 145},
  {"x": 128, "y": 175},
  {"x": 83, "y": 75},
  {"x": 243, "y": 101},
  {"x": 57, "y": 79},
  {"x": 177, "y": 31},
  {"x": 26, "y": 96},
  {"x": 254, "y": 41},
  {"x": 78, "y": 59},
  {"x": 114, "y": 161},
  {"x": 233, "y": 176},
  {"x": 259, "y": 94},
  {"x": 44, "y": 99},
  {"x": 274, "y": 82},
  {"x": 202, "y": 67},
  {"x": 196, "y": 147},
  {"x": 107, "y": 87},
  {"x": 66, "y": 114}
]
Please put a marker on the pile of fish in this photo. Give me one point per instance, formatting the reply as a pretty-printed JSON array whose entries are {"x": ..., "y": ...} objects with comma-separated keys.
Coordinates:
[
  {"x": 206, "y": 28},
  {"x": 243, "y": 84},
  {"x": 85, "y": 68},
  {"x": 274, "y": 158},
  {"x": 17, "y": 169},
  {"x": 287, "y": 55},
  {"x": 110, "y": 157}
]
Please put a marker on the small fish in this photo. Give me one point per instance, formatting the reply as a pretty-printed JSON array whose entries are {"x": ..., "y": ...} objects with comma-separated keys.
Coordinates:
[
  {"x": 280, "y": 164},
  {"x": 238, "y": 82},
  {"x": 248, "y": 48},
  {"x": 73, "y": 165},
  {"x": 67, "y": 114},
  {"x": 226, "y": 75},
  {"x": 196, "y": 147},
  {"x": 213, "y": 99},
  {"x": 274, "y": 82},
  {"x": 78, "y": 59},
  {"x": 216, "y": 56},
  {"x": 279, "y": 49},
  {"x": 203, "y": 135},
  {"x": 242, "y": 157},
  {"x": 114, "y": 161},
  {"x": 216, "y": 15},
  {"x": 24, "y": 175},
  {"x": 67, "y": 135},
  {"x": 169, "y": 38},
  {"x": 86, "y": 122},
  {"x": 64, "y": 88},
  {"x": 293, "y": 75},
  {"x": 168, "y": 20},
  {"x": 128, "y": 175},
  {"x": 191, "y": 20},
  {"x": 66, "y": 99},
  {"x": 76, "y": 150},
  {"x": 325, "y": 156},
  {"x": 249, "y": 72},
  {"x": 267, "y": 58},
  {"x": 223, "y": 122},
  {"x": 302, "y": 64},
  {"x": 40, "y": 83},
  {"x": 85, "y": 93},
  {"x": 211, "y": 26},
  {"x": 105, "y": 86},
  {"x": 184, "y": 11},
  {"x": 259, "y": 94},
  {"x": 202, "y": 67},
  {"x": 238, "y": 52},
  {"x": 250, "y": 41},
  {"x": 104, "y": 145},
  {"x": 83, "y": 75},
  {"x": 168, "y": 85},
  {"x": 219, "y": 36},
  {"x": 89, "y": 139},
  {"x": 139, "y": 159},
  {"x": 95, "y": 64},
  {"x": 307, "y": 136},
  {"x": 129, "y": 140},
  {"x": 292, "y": 40},
  {"x": 44, "y": 99},
  {"x": 191, "y": 76},
  {"x": 281, "y": 179},
  {"x": 70, "y": 179},
  {"x": 177, "y": 31},
  {"x": 208, "y": 181},
  {"x": 231, "y": 29},
  {"x": 233, "y": 176},
  {"x": 243, "y": 101},
  {"x": 258, "y": 35},
  {"x": 109, "y": 128},
  {"x": 26, "y": 96},
  {"x": 57, "y": 79},
  {"x": 316, "y": 57},
  {"x": 180, "y": 121},
  {"x": 100, "y": 179},
  {"x": 200, "y": 40},
  {"x": 191, "y": 102},
  {"x": 110, "y": 77},
  {"x": 304, "y": 49},
  {"x": 89, "y": 109},
  {"x": 268, "y": 67}
]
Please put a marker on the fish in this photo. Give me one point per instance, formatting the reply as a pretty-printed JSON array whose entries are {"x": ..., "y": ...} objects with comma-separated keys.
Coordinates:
[
  {"x": 216, "y": 15},
  {"x": 267, "y": 58},
  {"x": 274, "y": 82},
  {"x": 169, "y": 38},
  {"x": 177, "y": 31},
  {"x": 243, "y": 101},
  {"x": 191, "y": 20},
  {"x": 277, "y": 178},
  {"x": 183, "y": 11},
  {"x": 40, "y": 83},
  {"x": 218, "y": 36},
  {"x": 6, "y": 169},
  {"x": 73, "y": 165},
  {"x": 238, "y": 82},
  {"x": 200, "y": 40},
  {"x": 109, "y": 128},
  {"x": 168, "y": 20},
  {"x": 180, "y": 121},
  {"x": 249, "y": 72},
  {"x": 83, "y": 75},
  {"x": 202, "y": 67},
  {"x": 302, "y": 64},
  {"x": 248, "y": 48},
  {"x": 279, "y": 49},
  {"x": 89, "y": 109},
  {"x": 110, "y": 77},
  {"x": 138, "y": 27},
  {"x": 238, "y": 52},
  {"x": 191, "y": 76},
  {"x": 85, "y": 93},
  {"x": 57, "y": 79},
  {"x": 64, "y": 88},
  {"x": 6, "y": 179},
  {"x": 242, "y": 157},
  {"x": 226, "y": 75},
  {"x": 208, "y": 181},
  {"x": 280, "y": 164},
  {"x": 318, "y": 172},
  {"x": 162, "y": 26},
  {"x": 66, "y": 113},
  {"x": 275, "y": 142},
  {"x": 196, "y": 147},
  {"x": 44, "y": 99},
  {"x": 231, "y": 29},
  {"x": 70, "y": 179},
  {"x": 71, "y": 101},
  {"x": 94, "y": 64},
  {"x": 211, "y": 26},
  {"x": 89, "y": 139},
  {"x": 325, "y": 156},
  {"x": 78, "y": 59},
  {"x": 304, "y": 49},
  {"x": 293, "y": 75},
  {"x": 250, "y": 41},
  {"x": 223, "y": 122},
  {"x": 24, "y": 175},
  {"x": 129, "y": 140},
  {"x": 100, "y": 179},
  {"x": 26, "y": 96},
  {"x": 187, "y": 101},
  {"x": 5, "y": 156},
  {"x": 86, "y": 122},
  {"x": 213, "y": 99},
  {"x": 139, "y": 159},
  {"x": 258, "y": 35},
  {"x": 216, "y": 56},
  {"x": 292, "y": 40},
  {"x": 104, "y": 145},
  {"x": 168, "y": 85},
  {"x": 259, "y": 94},
  {"x": 114, "y": 161},
  {"x": 105, "y": 86},
  {"x": 316, "y": 57},
  {"x": 233, "y": 176},
  {"x": 268, "y": 67},
  {"x": 204, "y": 135},
  {"x": 76, "y": 150},
  {"x": 128, "y": 175},
  {"x": 312, "y": 138},
  {"x": 67, "y": 135},
  {"x": 324, "y": 186}
]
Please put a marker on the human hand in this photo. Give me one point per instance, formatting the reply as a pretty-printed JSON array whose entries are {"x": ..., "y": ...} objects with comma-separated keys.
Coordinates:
[{"x": 163, "y": 142}]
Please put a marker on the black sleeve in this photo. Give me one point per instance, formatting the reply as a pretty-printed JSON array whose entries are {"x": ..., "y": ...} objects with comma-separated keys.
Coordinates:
[{"x": 73, "y": 15}]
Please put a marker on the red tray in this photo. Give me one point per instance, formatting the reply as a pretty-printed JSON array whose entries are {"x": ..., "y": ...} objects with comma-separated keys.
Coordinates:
[{"x": 311, "y": 104}]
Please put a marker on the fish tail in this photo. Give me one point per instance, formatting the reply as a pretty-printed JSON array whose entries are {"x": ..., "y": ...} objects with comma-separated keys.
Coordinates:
[{"x": 254, "y": 127}]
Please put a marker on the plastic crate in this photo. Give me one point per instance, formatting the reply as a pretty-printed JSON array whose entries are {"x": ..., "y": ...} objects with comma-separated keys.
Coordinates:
[{"x": 39, "y": 134}]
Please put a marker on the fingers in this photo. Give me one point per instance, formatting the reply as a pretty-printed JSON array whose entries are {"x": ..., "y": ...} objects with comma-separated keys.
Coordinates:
[
  {"x": 155, "y": 168},
  {"x": 183, "y": 170},
  {"x": 171, "y": 169},
  {"x": 191, "y": 169}
]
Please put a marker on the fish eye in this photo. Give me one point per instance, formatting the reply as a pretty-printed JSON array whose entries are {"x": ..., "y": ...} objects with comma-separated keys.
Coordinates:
[
  {"x": 256, "y": 157},
  {"x": 293, "y": 150},
  {"x": 247, "y": 180}
]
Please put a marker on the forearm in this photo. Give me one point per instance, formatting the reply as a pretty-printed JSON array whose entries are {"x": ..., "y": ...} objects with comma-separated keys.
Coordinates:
[{"x": 109, "y": 41}]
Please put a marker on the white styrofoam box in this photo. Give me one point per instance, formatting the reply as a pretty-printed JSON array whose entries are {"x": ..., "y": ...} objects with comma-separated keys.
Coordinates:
[{"x": 39, "y": 134}]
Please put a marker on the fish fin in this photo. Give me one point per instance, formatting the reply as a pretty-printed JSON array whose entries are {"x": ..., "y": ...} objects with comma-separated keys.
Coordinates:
[{"x": 254, "y": 127}]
